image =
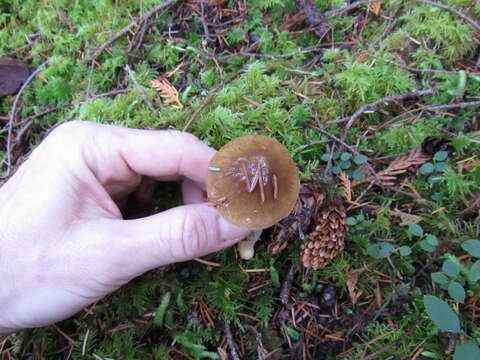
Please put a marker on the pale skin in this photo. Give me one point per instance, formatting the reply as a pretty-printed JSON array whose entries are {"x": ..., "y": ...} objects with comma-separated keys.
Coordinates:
[{"x": 63, "y": 242}]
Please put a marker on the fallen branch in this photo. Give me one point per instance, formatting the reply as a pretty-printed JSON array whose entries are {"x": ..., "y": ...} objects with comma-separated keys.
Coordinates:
[
  {"x": 13, "y": 112},
  {"x": 139, "y": 88},
  {"x": 449, "y": 106},
  {"x": 164, "y": 6},
  {"x": 383, "y": 101},
  {"x": 346, "y": 8},
  {"x": 231, "y": 343}
]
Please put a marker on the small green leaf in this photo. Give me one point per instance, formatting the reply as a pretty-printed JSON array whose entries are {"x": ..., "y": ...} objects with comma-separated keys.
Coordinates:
[
  {"x": 405, "y": 250},
  {"x": 415, "y": 230},
  {"x": 472, "y": 247},
  {"x": 475, "y": 270},
  {"x": 336, "y": 169},
  {"x": 274, "y": 276},
  {"x": 439, "y": 278},
  {"x": 431, "y": 239},
  {"x": 345, "y": 156},
  {"x": 424, "y": 245},
  {"x": 380, "y": 250},
  {"x": 440, "y": 155},
  {"x": 351, "y": 221},
  {"x": 456, "y": 291},
  {"x": 426, "y": 168},
  {"x": 335, "y": 155},
  {"x": 345, "y": 164},
  {"x": 325, "y": 157},
  {"x": 292, "y": 332},
  {"x": 440, "y": 166},
  {"x": 360, "y": 159},
  {"x": 469, "y": 350},
  {"x": 441, "y": 314},
  {"x": 450, "y": 268},
  {"x": 431, "y": 355},
  {"x": 358, "y": 175}
]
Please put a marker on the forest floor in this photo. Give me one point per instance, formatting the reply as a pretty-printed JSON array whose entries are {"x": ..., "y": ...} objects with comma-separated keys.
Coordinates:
[{"x": 377, "y": 101}]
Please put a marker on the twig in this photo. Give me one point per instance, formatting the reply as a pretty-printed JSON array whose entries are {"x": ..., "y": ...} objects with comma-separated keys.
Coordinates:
[
  {"x": 346, "y": 8},
  {"x": 383, "y": 101},
  {"x": 202, "y": 107},
  {"x": 231, "y": 343},
  {"x": 202, "y": 19},
  {"x": 449, "y": 106},
  {"x": 139, "y": 89},
  {"x": 13, "y": 112},
  {"x": 287, "y": 285},
  {"x": 453, "y": 10},
  {"x": 163, "y": 6},
  {"x": 414, "y": 69},
  {"x": 262, "y": 353}
]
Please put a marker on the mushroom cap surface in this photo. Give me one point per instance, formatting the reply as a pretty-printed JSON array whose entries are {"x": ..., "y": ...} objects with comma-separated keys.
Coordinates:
[{"x": 253, "y": 181}]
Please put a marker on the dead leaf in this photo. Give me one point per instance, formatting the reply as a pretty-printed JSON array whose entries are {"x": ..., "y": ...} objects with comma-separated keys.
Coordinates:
[
  {"x": 168, "y": 93},
  {"x": 406, "y": 217},
  {"x": 376, "y": 8},
  {"x": 347, "y": 186},
  {"x": 13, "y": 73},
  {"x": 363, "y": 56},
  {"x": 352, "y": 284}
]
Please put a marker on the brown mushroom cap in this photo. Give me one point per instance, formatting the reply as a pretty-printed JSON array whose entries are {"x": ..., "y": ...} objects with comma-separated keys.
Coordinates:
[{"x": 253, "y": 181}]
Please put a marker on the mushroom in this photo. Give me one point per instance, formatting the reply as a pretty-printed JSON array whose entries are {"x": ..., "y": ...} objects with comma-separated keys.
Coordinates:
[{"x": 254, "y": 183}]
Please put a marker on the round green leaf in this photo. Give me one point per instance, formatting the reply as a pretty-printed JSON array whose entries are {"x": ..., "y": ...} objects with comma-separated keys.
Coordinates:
[
  {"x": 380, "y": 250},
  {"x": 336, "y": 169},
  {"x": 405, "y": 250},
  {"x": 345, "y": 164},
  {"x": 345, "y": 156},
  {"x": 358, "y": 175},
  {"x": 351, "y": 221},
  {"x": 441, "y": 314},
  {"x": 440, "y": 166},
  {"x": 415, "y": 230},
  {"x": 469, "y": 350},
  {"x": 360, "y": 159},
  {"x": 456, "y": 291},
  {"x": 325, "y": 157},
  {"x": 439, "y": 278},
  {"x": 450, "y": 268},
  {"x": 431, "y": 239},
  {"x": 424, "y": 245},
  {"x": 472, "y": 247},
  {"x": 475, "y": 270},
  {"x": 426, "y": 168},
  {"x": 440, "y": 155}
]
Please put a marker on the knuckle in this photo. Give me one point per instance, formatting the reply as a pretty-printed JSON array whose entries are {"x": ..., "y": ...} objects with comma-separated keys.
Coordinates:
[{"x": 193, "y": 234}]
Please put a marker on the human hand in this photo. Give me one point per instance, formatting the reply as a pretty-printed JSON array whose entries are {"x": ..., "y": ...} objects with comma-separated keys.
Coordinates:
[{"x": 63, "y": 242}]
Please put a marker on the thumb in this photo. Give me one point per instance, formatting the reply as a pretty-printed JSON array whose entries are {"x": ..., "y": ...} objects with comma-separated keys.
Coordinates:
[{"x": 175, "y": 235}]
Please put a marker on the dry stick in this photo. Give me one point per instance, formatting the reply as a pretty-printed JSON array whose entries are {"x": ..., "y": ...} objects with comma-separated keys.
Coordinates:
[
  {"x": 383, "y": 101},
  {"x": 14, "y": 110},
  {"x": 262, "y": 353},
  {"x": 449, "y": 106},
  {"x": 414, "y": 69},
  {"x": 231, "y": 343},
  {"x": 202, "y": 19},
  {"x": 164, "y": 6},
  {"x": 287, "y": 285},
  {"x": 139, "y": 89},
  {"x": 346, "y": 8},
  {"x": 453, "y": 10}
]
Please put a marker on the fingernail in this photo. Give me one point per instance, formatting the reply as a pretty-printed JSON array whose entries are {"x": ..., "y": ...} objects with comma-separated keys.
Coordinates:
[{"x": 230, "y": 232}]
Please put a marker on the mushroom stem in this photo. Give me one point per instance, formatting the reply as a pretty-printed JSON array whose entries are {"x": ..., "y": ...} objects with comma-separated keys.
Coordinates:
[{"x": 246, "y": 247}]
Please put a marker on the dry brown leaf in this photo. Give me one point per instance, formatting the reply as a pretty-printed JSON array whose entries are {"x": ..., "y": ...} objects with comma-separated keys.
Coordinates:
[
  {"x": 168, "y": 93},
  {"x": 376, "y": 8},
  {"x": 352, "y": 284},
  {"x": 363, "y": 56},
  {"x": 406, "y": 217},
  {"x": 347, "y": 186}
]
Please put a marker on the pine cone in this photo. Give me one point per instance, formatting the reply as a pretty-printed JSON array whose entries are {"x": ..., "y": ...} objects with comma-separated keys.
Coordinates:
[
  {"x": 297, "y": 223},
  {"x": 328, "y": 238}
]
